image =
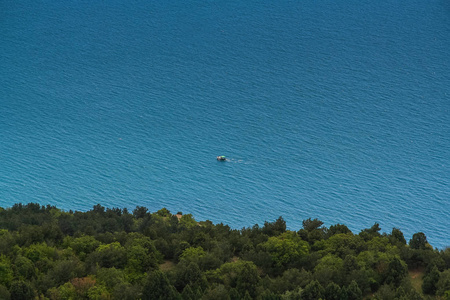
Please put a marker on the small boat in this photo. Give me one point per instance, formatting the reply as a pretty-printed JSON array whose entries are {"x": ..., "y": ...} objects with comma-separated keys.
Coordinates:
[{"x": 221, "y": 158}]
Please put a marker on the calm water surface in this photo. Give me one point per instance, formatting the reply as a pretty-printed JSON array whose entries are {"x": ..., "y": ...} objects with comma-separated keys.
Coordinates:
[{"x": 331, "y": 110}]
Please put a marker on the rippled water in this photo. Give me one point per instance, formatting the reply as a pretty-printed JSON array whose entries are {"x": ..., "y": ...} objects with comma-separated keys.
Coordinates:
[{"x": 336, "y": 111}]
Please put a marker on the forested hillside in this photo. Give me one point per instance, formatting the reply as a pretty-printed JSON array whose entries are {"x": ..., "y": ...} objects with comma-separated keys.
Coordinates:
[{"x": 48, "y": 253}]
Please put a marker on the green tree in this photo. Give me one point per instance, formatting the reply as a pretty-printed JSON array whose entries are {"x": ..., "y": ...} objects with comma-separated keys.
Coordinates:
[
  {"x": 350, "y": 269},
  {"x": 353, "y": 291},
  {"x": 192, "y": 254},
  {"x": 164, "y": 212},
  {"x": 157, "y": 287},
  {"x": 219, "y": 292},
  {"x": 110, "y": 277},
  {"x": 443, "y": 284},
  {"x": 430, "y": 281},
  {"x": 98, "y": 292},
  {"x": 188, "y": 293},
  {"x": 140, "y": 212},
  {"x": 4, "y": 293},
  {"x": 397, "y": 270},
  {"x": 397, "y": 237},
  {"x": 6, "y": 241},
  {"x": 40, "y": 252},
  {"x": 248, "y": 280},
  {"x": 82, "y": 245},
  {"x": 337, "y": 229},
  {"x": 24, "y": 268},
  {"x": 65, "y": 270},
  {"x": 247, "y": 296},
  {"x": 385, "y": 292},
  {"x": 344, "y": 244},
  {"x": 189, "y": 273},
  {"x": 290, "y": 280},
  {"x": 446, "y": 295},
  {"x": 285, "y": 248},
  {"x": 418, "y": 241},
  {"x": 293, "y": 295},
  {"x": 328, "y": 269},
  {"x": 110, "y": 255},
  {"x": 370, "y": 233},
  {"x": 30, "y": 234},
  {"x": 126, "y": 291},
  {"x": 139, "y": 261},
  {"x": 21, "y": 290},
  {"x": 269, "y": 295},
  {"x": 242, "y": 275},
  {"x": 312, "y": 230},
  {"x": 234, "y": 294},
  {"x": 187, "y": 221},
  {"x": 311, "y": 225},
  {"x": 275, "y": 228},
  {"x": 65, "y": 291},
  {"x": 6, "y": 272},
  {"x": 378, "y": 243},
  {"x": 313, "y": 291},
  {"x": 332, "y": 291}
]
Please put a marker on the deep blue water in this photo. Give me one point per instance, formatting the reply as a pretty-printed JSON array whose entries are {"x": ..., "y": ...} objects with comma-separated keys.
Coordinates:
[{"x": 337, "y": 110}]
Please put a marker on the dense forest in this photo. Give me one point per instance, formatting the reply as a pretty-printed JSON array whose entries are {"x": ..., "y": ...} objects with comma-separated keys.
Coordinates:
[{"x": 112, "y": 253}]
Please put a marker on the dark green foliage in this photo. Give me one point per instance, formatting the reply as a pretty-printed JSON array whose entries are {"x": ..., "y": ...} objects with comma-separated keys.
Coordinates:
[
  {"x": 140, "y": 212},
  {"x": 396, "y": 237},
  {"x": 269, "y": 295},
  {"x": 349, "y": 265},
  {"x": 111, "y": 277},
  {"x": 247, "y": 296},
  {"x": 430, "y": 281},
  {"x": 6, "y": 241},
  {"x": 312, "y": 230},
  {"x": 290, "y": 280},
  {"x": 337, "y": 229},
  {"x": 4, "y": 293},
  {"x": 218, "y": 292},
  {"x": 292, "y": 295},
  {"x": 110, "y": 253},
  {"x": 234, "y": 294},
  {"x": 164, "y": 212},
  {"x": 418, "y": 241},
  {"x": 247, "y": 280},
  {"x": 126, "y": 291},
  {"x": 329, "y": 269},
  {"x": 188, "y": 273},
  {"x": 332, "y": 292},
  {"x": 446, "y": 257},
  {"x": 396, "y": 272},
  {"x": 365, "y": 280},
  {"x": 310, "y": 225},
  {"x": 188, "y": 293},
  {"x": 108, "y": 256},
  {"x": 443, "y": 285},
  {"x": 275, "y": 228},
  {"x": 385, "y": 292},
  {"x": 21, "y": 290},
  {"x": 313, "y": 291},
  {"x": 24, "y": 268},
  {"x": 65, "y": 270},
  {"x": 370, "y": 233},
  {"x": 353, "y": 291},
  {"x": 157, "y": 287},
  {"x": 281, "y": 252},
  {"x": 412, "y": 295}
]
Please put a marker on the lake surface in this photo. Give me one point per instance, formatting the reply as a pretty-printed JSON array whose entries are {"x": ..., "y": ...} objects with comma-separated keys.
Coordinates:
[{"x": 337, "y": 110}]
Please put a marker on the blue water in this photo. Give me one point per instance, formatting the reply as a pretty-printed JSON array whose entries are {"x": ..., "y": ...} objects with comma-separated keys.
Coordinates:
[{"x": 337, "y": 110}]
